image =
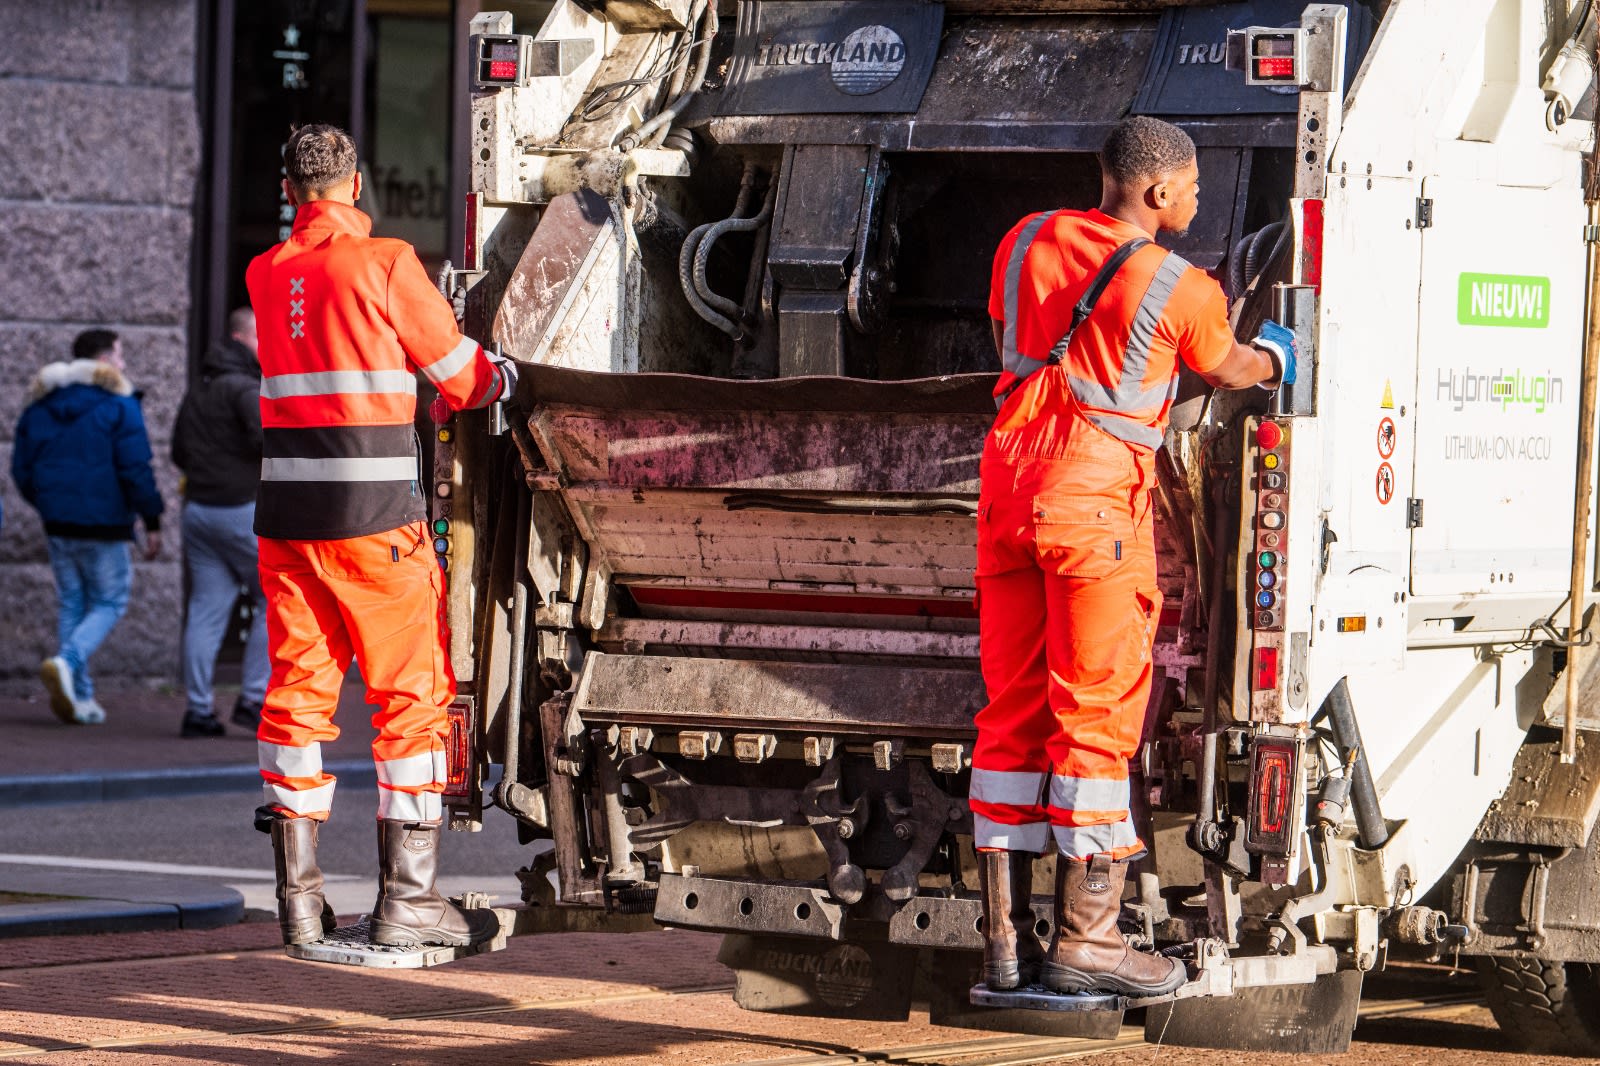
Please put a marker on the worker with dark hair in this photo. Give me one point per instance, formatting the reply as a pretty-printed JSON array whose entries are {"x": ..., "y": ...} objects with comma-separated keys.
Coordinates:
[
  {"x": 1091, "y": 319},
  {"x": 345, "y": 322}
]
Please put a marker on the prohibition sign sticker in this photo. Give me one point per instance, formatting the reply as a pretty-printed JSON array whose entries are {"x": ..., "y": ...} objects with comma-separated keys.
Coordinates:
[
  {"x": 1386, "y": 438},
  {"x": 1385, "y": 482}
]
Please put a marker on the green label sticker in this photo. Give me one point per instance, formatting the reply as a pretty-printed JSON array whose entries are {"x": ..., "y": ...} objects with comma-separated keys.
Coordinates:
[{"x": 1503, "y": 300}]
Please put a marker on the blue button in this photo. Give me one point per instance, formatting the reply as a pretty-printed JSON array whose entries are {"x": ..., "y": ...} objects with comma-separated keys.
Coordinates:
[{"x": 1265, "y": 598}]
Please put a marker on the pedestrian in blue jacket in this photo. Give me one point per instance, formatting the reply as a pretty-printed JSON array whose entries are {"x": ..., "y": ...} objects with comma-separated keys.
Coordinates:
[{"x": 82, "y": 459}]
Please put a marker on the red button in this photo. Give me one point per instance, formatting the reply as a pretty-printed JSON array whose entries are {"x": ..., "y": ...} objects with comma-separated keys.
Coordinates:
[
  {"x": 439, "y": 411},
  {"x": 1269, "y": 435}
]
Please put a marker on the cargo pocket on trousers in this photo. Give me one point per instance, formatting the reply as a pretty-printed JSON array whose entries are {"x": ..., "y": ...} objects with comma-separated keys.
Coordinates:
[{"x": 1081, "y": 536}]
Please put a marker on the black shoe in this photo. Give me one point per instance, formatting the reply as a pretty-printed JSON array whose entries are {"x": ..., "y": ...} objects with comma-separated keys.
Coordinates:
[
  {"x": 200, "y": 725},
  {"x": 246, "y": 715}
]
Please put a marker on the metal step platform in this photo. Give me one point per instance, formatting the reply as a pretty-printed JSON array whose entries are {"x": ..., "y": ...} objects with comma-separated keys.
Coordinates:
[
  {"x": 352, "y": 945},
  {"x": 1038, "y": 997}
]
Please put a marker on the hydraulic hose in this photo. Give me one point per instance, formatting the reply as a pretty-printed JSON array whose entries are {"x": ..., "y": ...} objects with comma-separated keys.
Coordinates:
[
  {"x": 686, "y": 262},
  {"x": 664, "y": 118},
  {"x": 702, "y": 254},
  {"x": 1371, "y": 830}
]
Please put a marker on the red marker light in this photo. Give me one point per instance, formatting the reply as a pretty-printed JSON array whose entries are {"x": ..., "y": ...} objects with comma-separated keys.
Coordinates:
[
  {"x": 1269, "y": 435},
  {"x": 1266, "y": 669},
  {"x": 1276, "y": 67},
  {"x": 503, "y": 69}
]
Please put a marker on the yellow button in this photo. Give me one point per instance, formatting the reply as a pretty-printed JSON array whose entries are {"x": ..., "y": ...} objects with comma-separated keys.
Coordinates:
[
  {"x": 1270, "y": 462},
  {"x": 444, "y": 436}
]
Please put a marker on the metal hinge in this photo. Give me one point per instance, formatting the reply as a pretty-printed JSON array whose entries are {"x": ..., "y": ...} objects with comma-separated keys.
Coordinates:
[
  {"x": 1591, "y": 234},
  {"x": 1413, "y": 513},
  {"x": 1424, "y": 212}
]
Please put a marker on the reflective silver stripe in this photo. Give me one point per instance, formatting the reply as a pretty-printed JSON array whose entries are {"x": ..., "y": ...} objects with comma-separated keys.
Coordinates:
[
  {"x": 383, "y": 468},
  {"x": 1136, "y": 356},
  {"x": 1088, "y": 794},
  {"x": 429, "y": 768},
  {"x": 299, "y": 801},
  {"x": 1129, "y": 429},
  {"x": 1015, "y": 788},
  {"x": 338, "y": 383},
  {"x": 286, "y": 761},
  {"x": 453, "y": 362},
  {"x": 1034, "y": 836},
  {"x": 1082, "y": 841},
  {"x": 1010, "y": 358},
  {"x": 1120, "y": 403},
  {"x": 409, "y": 806}
]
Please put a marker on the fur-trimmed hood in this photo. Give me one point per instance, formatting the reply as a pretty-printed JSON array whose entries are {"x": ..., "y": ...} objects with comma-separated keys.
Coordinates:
[{"x": 53, "y": 376}]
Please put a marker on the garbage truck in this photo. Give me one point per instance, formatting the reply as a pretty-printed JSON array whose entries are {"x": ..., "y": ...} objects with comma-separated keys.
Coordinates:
[{"x": 711, "y": 597}]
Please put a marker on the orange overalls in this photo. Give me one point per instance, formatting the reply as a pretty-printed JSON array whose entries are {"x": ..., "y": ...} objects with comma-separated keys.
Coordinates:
[
  {"x": 1068, "y": 602},
  {"x": 345, "y": 322}
]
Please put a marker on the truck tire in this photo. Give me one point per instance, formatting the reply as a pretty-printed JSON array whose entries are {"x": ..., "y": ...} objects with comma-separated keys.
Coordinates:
[{"x": 1542, "y": 1005}]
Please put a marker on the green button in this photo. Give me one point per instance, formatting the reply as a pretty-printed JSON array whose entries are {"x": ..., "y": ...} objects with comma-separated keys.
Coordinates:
[
  {"x": 442, "y": 527},
  {"x": 1267, "y": 560}
]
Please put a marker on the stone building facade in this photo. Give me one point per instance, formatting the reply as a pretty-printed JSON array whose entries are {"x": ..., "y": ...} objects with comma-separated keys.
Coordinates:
[{"x": 99, "y": 150}]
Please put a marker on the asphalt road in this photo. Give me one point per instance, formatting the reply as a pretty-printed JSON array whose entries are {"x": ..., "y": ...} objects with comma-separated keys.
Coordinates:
[{"x": 210, "y": 837}]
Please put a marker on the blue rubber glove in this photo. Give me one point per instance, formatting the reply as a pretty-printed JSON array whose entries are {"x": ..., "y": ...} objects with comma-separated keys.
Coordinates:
[
  {"x": 508, "y": 375},
  {"x": 1278, "y": 342}
]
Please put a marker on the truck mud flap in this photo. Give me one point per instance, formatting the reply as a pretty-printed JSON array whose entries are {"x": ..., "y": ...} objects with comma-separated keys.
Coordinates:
[
  {"x": 1313, "y": 1018},
  {"x": 868, "y": 981}
]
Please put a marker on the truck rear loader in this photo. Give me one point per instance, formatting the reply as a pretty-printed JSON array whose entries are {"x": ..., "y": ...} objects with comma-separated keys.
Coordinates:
[{"x": 711, "y": 593}]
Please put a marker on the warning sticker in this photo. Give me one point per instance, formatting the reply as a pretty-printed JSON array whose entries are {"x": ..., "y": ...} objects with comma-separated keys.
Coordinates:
[
  {"x": 1388, "y": 397},
  {"x": 1385, "y": 482},
  {"x": 1386, "y": 438}
]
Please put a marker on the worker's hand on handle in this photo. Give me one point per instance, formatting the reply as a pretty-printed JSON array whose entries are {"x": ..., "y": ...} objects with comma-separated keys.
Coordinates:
[
  {"x": 1278, "y": 342},
  {"x": 508, "y": 376},
  {"x": 152, "y": 543}
]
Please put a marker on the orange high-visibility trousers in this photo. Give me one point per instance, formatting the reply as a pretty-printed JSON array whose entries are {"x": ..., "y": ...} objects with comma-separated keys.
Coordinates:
[
  {"x": 377, "y": 599},
  {"x": 1067, "y": 608}
]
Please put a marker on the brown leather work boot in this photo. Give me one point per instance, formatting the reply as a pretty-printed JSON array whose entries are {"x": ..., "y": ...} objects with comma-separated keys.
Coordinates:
[
  {"x": 410, "y": 911},
  {"x": 1011, "y": 948},
  {"x": 303, "y": 915},
  {"x": 1088, "y": 954}
]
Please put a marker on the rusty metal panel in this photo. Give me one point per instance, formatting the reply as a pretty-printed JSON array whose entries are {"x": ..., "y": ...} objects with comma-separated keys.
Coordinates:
[
  {"x": 854, "y": 700},
  {"x": 1548, "y": 803},
  {"x": 771, "y": 450},
  {"x": 644, "y": 634}
]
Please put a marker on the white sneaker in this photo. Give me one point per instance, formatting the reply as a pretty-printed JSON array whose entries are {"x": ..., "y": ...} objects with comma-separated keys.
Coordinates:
[
  {"x": 89, "y": 712},
  {"x": 56, "y": 674}
]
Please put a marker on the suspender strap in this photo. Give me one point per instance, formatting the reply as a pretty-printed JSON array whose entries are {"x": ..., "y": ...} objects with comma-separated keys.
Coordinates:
[
  {"x": 1021, "y": 366},
  {"x": 1091, "y": 295}
]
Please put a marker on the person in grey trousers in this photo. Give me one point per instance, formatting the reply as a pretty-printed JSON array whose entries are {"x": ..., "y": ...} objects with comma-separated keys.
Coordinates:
[{"x": 216, "y": 442}]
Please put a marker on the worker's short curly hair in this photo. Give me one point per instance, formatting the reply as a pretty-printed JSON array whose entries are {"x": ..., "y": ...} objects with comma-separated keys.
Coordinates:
[
  {"x": 318, "y": 157},
  {"x": 1142, "y": 147}
]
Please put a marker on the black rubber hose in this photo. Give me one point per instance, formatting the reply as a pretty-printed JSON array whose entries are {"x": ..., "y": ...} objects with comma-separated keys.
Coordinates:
[
  {"x": 1371, "y": 830},
  {"x": 702, "y": 254}
]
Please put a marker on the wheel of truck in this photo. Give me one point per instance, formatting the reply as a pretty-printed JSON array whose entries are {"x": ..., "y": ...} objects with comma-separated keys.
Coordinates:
[{"x": 1542, "y": 1005}]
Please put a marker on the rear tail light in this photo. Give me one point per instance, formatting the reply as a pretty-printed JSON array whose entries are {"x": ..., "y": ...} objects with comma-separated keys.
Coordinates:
[
  {"x": 1272, "y": 825},
  {"x": 458, "y": 752}
]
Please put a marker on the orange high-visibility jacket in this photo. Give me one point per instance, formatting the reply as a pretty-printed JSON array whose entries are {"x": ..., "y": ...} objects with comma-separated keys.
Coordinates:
[{"x": 345, "y": 321}]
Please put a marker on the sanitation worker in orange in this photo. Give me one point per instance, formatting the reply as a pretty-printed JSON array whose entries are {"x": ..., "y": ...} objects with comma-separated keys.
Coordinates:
[
  {"x": 1091, "y": 318},
  {"x": 345, "y": 322}
]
